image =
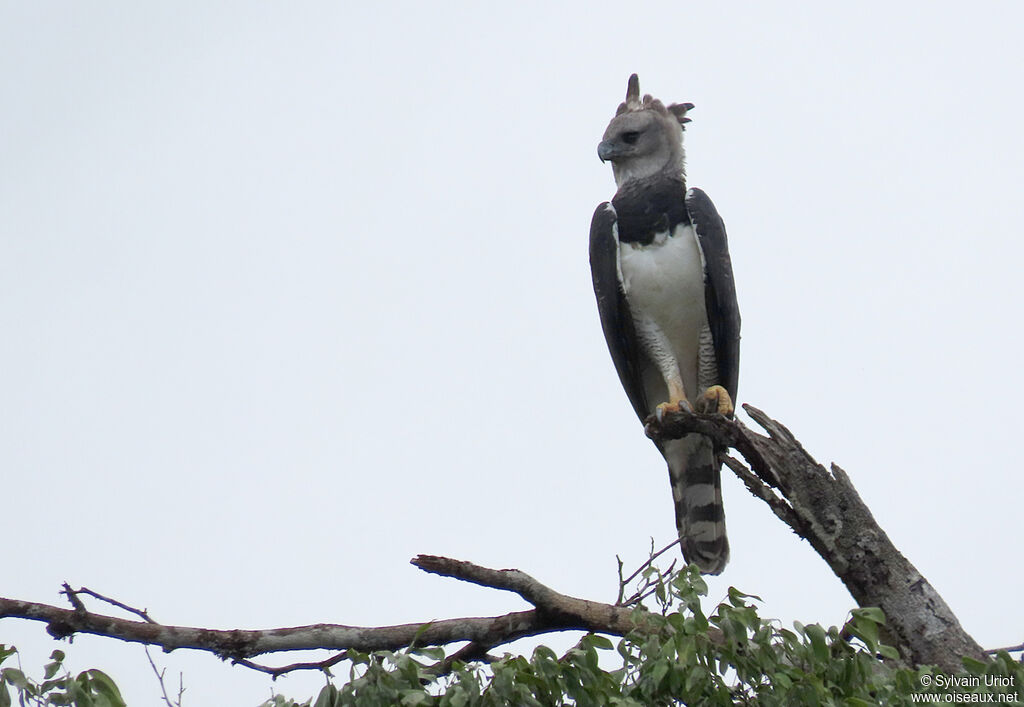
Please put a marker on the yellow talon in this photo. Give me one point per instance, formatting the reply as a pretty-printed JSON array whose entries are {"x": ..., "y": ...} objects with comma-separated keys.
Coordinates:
[
  {"x": 716, "y": 400},
  {"x": 677, "y": 406}
]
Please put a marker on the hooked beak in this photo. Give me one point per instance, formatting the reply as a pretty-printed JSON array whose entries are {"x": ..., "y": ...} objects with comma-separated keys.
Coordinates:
[{"x": 608, "y": 151}]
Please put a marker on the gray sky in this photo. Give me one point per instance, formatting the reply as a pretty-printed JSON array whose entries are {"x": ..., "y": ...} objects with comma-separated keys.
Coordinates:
[{"x": 292, "y": 293}]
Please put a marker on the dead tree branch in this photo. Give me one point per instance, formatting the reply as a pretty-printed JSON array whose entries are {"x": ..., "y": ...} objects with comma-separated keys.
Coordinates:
[
  {"x": 553, "y": 608},
  {"x": 239, "y": 644},
  {"x": 552, "y": 612},
  {"x": 823, "y": 507}
]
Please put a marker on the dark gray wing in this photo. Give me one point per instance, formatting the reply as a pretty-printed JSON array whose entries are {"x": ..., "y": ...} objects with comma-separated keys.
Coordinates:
[
  {"x": 719, "y": 287},
  {"x": 616, "y": 320}
]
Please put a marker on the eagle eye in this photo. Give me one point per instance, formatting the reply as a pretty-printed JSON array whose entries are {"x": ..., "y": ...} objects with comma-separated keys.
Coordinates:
[{"x": 630, "y": 137}]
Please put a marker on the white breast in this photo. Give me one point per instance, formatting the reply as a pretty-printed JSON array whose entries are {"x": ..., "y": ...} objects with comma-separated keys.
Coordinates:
[{"x": 664, "y": 286}]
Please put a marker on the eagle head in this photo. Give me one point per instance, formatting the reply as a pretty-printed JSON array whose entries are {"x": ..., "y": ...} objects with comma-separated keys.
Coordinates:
[{"x": 644, "y": 138}]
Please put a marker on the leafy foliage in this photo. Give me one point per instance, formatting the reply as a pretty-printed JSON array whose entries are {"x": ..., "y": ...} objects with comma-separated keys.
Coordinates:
[{"x": 90, "y": 688}]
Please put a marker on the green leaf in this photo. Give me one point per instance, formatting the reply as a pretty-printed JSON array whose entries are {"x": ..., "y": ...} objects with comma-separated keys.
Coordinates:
[
  {"x": 871, "y": 613},
  {"x": 420, "y": 631},
  {"x": 15, "y": 677},
  {"x": 599, "y": 642},
  {"x": 357, "y": 657},
  {"x": 698, "y": 583},
  {"x": 659, "y": 592},
  {"x": 103, "y": 685},
  {"x": 412, "y": 698},
  {"x": 865, "y": 629},
  {"x": 57, "y": 683},
  {"x": 974, "y": 665},
  {"x": 434, "y": 653},
  {"x": 736, "y": 597},
  {"x": 328, "y": 697},
  {"x": 816, "y": 634},
  {"x": 700, "y": 620},
  {"x": 51, "y": 669},
  {"x": 544, "y": 653},
  {"x": 888, "y": 652},
  {"x": 788, "y": 636},
  {"x": 658, "y": 672}
]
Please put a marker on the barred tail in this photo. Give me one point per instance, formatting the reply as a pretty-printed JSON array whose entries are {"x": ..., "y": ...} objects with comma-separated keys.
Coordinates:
[{"x": 697, "y": 492}]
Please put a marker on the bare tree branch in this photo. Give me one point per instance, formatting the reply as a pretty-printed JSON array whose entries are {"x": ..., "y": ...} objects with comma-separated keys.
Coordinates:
[
  {"x": 552, "y": 607},
  {"x": 823, "y": 507},
  {"x": 278, "y": 671},
  {"x": 237, "y": 644},
  {"x": 552, "y": 612}
]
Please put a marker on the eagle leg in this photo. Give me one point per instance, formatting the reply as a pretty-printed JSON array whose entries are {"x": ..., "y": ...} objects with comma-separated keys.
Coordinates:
[
  {"x": 677, "y": 393},
  {"x": 716, "y": 400}
]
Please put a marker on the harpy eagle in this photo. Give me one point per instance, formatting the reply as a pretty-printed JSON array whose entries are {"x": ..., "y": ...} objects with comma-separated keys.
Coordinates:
[{"x": 667, "y": 300}]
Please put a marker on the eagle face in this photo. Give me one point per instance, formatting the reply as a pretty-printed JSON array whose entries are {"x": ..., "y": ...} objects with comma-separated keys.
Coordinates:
[{"x": 642, "y": 143}]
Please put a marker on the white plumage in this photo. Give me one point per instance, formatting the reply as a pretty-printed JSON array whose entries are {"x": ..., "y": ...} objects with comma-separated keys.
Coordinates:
[{"x": 664, "y": 287}]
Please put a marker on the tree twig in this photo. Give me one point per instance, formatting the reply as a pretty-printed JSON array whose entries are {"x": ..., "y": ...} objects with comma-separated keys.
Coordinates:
[
  {"x": 650, "y": 560},
  {"x": 160, "y": 678},
  {"x": 72, "y": 597},
  {"x": 141, "y": 613}
]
